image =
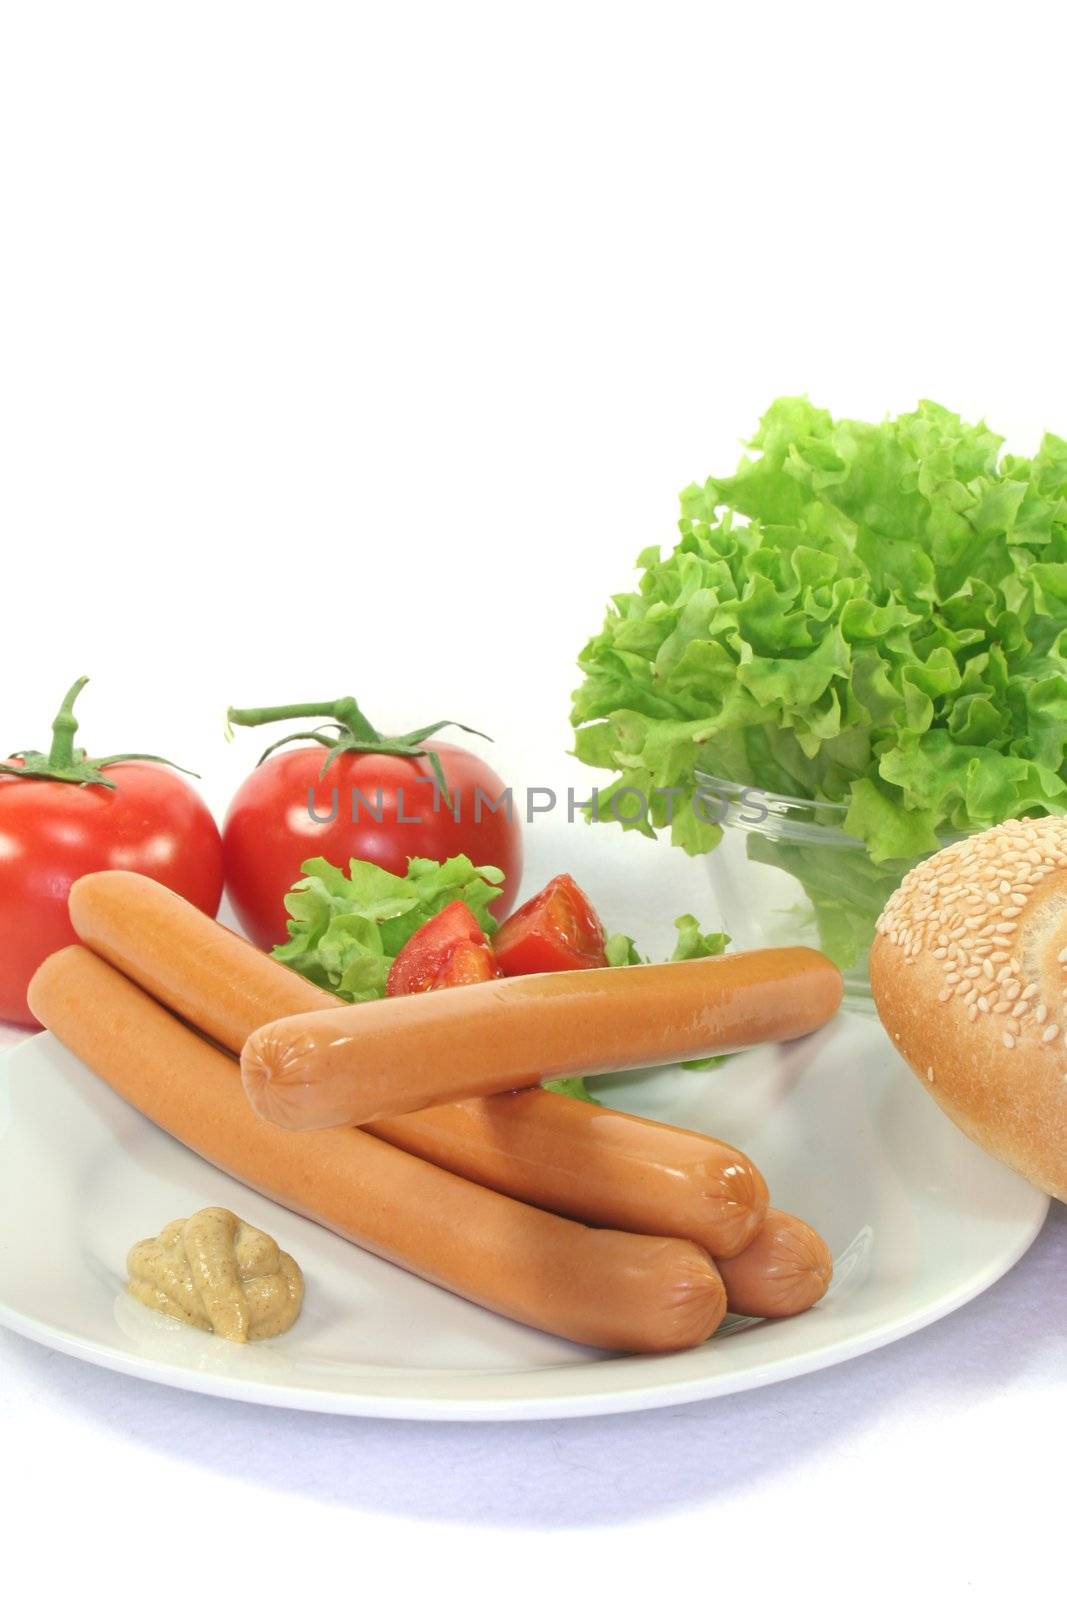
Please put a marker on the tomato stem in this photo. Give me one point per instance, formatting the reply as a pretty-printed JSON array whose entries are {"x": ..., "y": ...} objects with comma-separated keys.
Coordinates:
[
  {"x": 344, "y": 711},
  {"x": 354, "y": 733},
  {"x": 65, "y": 763},
  {"x": 64, "y": 727}
]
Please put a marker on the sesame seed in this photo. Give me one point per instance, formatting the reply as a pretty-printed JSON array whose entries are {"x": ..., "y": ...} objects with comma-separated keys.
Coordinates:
[
  {"x": 1007, "y": 1041},
  {"x": 1040, "y": 1012},
  {"x": 1050, "y": 1033},
  {"x": 1020, "y": 1008},
  {"x": 930, "y": 1074}
]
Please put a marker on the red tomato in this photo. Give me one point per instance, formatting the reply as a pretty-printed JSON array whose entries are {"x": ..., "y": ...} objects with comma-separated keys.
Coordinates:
[
  {"x": 448, "y": 950},
  {"x": 284, "y": 813},
  {"x": 556, "y": 931},
  {"x": 467, "y": 963},
  {"x": 52, "y": 832}
]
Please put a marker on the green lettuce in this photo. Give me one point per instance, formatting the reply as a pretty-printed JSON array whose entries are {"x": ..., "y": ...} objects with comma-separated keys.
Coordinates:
[
  {"x": 872, "y": 614},
  {"x": 573, "y": 1088},
  {"x": 346, "y": 928}
]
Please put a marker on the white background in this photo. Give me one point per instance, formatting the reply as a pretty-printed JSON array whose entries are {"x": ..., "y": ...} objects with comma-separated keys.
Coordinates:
[{"x": 360, "y": 349}]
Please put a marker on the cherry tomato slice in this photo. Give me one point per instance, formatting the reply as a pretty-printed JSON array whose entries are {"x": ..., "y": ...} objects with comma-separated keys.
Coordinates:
[
  {"x": 467, "y": 963},
  {"x": 427, "y": 952},
  {"x": 556, "y": 931}
]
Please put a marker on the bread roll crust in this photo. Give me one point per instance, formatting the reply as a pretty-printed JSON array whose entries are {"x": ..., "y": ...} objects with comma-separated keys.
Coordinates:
[{"x": 969, "y": 974}]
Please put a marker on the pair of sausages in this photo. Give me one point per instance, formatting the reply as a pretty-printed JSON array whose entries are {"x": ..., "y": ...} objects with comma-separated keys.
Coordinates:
[{"x": 598, "y": 1286}]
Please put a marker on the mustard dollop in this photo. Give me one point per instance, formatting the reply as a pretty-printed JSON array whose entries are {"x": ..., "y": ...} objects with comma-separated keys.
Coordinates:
[{"x": 215, "y": 1272}]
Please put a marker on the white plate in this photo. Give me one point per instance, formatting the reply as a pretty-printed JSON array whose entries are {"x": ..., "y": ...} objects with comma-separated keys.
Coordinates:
[{"x": 918, "y": 1218}]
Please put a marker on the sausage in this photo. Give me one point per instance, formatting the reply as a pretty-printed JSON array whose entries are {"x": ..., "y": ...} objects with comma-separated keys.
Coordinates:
[
  {"x": 594, "y": 1164},
  {"x": 325, "y": 1068},
  {"x": 583, "y": 1161},
  {"x": 617, "y": 1291},
  {"x": 785, "y": 1269},
  {"x": 206, "y": 973}
]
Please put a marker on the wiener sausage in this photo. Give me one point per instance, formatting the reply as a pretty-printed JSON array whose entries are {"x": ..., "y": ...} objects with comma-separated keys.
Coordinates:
[
  {"x": 617, "y": 1291},
  {"x": 785, "y": 1269},
  {"x": 593, "y": 1164},
  {"x": 580, "y": 1160},
  {"x": 327, "y": 1068}
]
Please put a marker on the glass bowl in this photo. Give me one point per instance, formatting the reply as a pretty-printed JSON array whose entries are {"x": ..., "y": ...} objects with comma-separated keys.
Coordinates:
[{"x": 786, "y": 872}]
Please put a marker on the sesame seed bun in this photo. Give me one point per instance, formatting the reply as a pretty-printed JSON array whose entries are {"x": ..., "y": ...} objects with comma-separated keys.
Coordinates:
[{"x": 969, "y": 974}]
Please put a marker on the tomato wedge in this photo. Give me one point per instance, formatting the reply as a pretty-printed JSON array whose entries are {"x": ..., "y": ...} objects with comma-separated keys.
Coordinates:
[
  {"x": 467, "y": 963},
  {"x": 448, "y": 950},
  {"x": 556, "y": 931}
]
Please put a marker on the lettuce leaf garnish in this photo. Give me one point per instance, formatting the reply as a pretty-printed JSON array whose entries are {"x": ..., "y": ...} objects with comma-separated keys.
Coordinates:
[{"x": 346, "y": 928}]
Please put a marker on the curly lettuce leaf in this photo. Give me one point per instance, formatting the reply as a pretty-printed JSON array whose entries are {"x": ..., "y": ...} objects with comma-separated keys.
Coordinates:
[
  {"x": 692, "y": 945},
  {"x": 874, "y": 614},
  {"x": 573, "y": 1088},
  {"x": 345, "y": 929},
  {"x": 621, "y": 951}
]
